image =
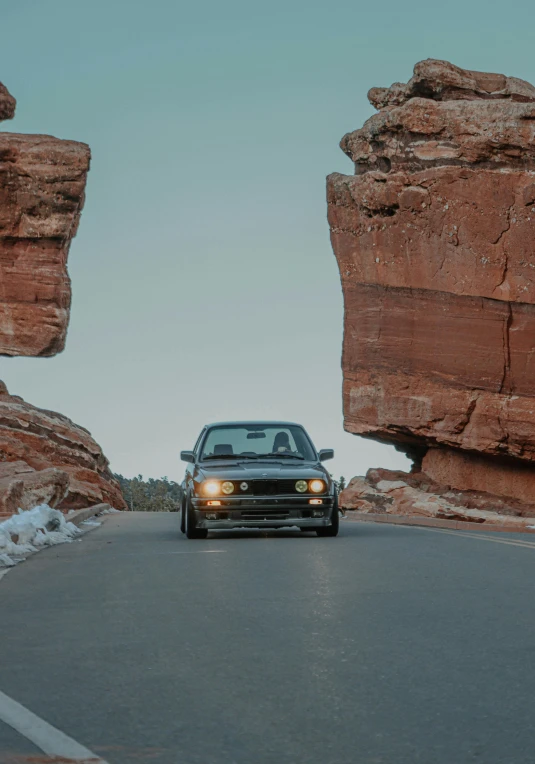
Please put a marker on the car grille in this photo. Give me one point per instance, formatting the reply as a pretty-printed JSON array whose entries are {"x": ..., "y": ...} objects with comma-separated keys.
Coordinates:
[{"x": 270, "y": 487}]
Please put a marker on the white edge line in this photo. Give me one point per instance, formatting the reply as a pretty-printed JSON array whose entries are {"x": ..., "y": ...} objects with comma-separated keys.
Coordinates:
[
  {"x": 50, "y": 740},
  {"x": 476, "y": 535},
  {"x": 465, "y": 534}
]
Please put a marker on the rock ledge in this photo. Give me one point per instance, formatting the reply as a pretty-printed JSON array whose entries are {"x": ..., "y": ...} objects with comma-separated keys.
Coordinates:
[{"x": 435, "y": 241}]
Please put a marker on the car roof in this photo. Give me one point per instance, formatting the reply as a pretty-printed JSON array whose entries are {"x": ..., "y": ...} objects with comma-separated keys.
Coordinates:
[{"x": 260, "y": 422}]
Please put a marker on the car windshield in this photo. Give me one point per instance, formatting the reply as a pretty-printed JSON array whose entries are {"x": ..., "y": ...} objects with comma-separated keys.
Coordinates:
[{"x": 254, "y": 441}]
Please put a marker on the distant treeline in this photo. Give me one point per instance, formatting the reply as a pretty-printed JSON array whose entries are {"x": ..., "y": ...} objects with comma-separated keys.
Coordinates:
[{"x": 152, "y": 495}]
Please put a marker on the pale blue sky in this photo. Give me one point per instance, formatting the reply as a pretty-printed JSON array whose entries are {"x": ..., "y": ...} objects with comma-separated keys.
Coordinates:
[{"x": 204, "y": 286}]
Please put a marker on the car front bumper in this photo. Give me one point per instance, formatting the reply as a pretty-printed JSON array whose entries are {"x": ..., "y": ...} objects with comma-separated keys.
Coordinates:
[{"x": 262, "y": 512}]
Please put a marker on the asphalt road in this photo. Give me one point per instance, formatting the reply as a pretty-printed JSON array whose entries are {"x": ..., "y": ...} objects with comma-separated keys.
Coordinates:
[{"x": 386, "y": 645}]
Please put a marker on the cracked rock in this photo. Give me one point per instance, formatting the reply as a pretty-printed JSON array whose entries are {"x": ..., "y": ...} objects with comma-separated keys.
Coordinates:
[
  {"x": 42, "y": 187},
  {"x": 47, "y": 458},
  {"x": 435, "y": 239}
]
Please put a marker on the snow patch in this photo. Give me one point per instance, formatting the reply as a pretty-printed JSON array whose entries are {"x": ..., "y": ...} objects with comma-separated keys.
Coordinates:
[{"x": 31, "y": 530}]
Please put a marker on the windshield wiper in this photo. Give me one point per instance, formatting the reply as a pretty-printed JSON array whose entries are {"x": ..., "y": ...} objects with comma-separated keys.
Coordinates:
[
  {"x": 228, "y": 456},
  {"x": 282, "y": 455},
  {"x": 249, "y": 456}
]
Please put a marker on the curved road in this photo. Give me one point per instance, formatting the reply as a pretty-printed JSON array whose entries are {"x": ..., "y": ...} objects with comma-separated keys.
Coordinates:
[{"x": 387, "y": 645}]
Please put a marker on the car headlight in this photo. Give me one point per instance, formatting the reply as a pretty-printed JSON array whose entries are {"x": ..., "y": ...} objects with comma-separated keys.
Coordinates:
[
  {"x": 301, "y": 486},
  {"x": 316, "y": 486},
  {"x": 211, "y": 487},
  {"x": 227, "y": 487}
]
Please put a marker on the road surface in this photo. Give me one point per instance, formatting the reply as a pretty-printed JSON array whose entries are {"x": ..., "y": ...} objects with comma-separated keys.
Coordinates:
[{"x": 386, "y": 645}]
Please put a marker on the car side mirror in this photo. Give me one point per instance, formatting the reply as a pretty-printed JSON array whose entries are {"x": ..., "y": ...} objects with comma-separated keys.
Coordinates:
[
  {"x": 326, "y": 453},
  {"x": 187, "y": 456}
]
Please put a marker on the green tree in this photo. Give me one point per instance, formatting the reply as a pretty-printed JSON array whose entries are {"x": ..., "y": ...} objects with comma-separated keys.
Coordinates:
[{"x": 151, "y": 495}]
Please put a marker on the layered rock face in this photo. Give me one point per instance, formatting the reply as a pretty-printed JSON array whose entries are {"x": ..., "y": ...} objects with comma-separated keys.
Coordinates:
[
  {"x": 7, "y": 103},
  {"x": 435, "y": 240},
  {"x": 383, "y": 492},
  {"x": 46, "y": 458},
  {"x": 42, "y": 182}
]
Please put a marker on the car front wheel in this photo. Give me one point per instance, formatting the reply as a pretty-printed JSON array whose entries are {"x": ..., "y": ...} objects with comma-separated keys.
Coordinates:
[
  {"x": 333, "y": 528},
  {"x": 183, "y": 515},
  {"x": 192, "y": 532}
]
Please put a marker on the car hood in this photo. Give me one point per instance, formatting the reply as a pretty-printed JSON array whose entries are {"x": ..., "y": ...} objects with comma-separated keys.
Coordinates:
[{"x": 259, "y": 470}]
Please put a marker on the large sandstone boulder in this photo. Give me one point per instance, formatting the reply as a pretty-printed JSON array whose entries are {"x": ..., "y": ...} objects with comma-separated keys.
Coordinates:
[
  {"x": 415, "y": 495},
  {"x": 46, "y": 458},
  {"x": 7, "y": 104},
  {"x": 22, "y": 487},
  {"x": 435, "y": 240},
  {"x": 42, "y": 182}
]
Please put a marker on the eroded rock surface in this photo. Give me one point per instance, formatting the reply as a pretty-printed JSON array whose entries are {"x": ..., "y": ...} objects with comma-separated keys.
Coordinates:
[
  {"x": 416, "y": 495},
  {"x": 46, "y": 458},
  {"x": 7, "y": 104},
  {"x": 42, "y": 182},
  {"x": 442, "y": 81},
  {"x": 435, "y": 240}
]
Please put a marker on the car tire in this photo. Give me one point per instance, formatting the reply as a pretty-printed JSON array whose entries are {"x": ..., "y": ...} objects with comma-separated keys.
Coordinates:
[
  {"x": 192, "y": 532},
  {"x": 183, "y": 516},
  {"x": 332, "y": 529}
]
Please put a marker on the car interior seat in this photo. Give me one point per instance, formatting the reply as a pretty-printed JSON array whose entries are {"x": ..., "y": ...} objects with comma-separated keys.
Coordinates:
[
  {"x": 223, "y": 448},
  {"x": 281, "y": 441}
]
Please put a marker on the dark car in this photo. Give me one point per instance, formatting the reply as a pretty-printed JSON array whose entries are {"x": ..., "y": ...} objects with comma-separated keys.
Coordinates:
[{"x": 257, "y": 475}]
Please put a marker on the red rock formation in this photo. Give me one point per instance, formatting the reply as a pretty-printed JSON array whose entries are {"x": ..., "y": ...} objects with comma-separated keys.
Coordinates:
[
  {"x": 414, "y": 494},
  {"x": 42, "y": 182},
  {"x": 45, "y": 457},
  {"x": 7, "y": 103},
  {"x": 434, "y": 236},
  {"x": 22, "y": 487}
]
